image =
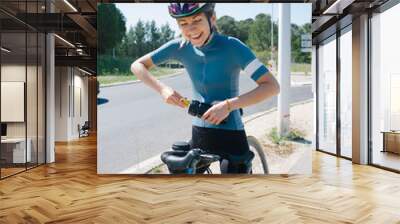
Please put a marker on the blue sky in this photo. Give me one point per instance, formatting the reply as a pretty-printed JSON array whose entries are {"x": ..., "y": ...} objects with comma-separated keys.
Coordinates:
[{"x": 300, "y": 12}]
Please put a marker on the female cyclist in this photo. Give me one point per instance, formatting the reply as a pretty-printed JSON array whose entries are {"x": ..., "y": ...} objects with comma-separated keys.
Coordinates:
[{"x": 213, "y": 62}]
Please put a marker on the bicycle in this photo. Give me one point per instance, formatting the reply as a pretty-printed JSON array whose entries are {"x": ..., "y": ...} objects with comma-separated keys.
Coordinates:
[{"x": 185, "y": 160}]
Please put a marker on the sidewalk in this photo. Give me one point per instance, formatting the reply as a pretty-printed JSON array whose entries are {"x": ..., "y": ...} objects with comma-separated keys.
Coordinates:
[
  {"x": 178, "y": 72},
  {"x": 294, "y": 158},
  {"x": 300, "y": 79}
]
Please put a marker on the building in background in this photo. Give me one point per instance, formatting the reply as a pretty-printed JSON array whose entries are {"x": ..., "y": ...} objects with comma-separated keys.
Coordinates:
[
  {"x": 357, "y": 79},
  {"x": 48, "y": 78}
]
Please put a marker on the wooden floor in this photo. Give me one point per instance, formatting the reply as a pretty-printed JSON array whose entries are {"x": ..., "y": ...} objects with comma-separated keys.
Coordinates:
[
  {"x": 5, "y": 172},
  {"x": 70, "y": 191}
]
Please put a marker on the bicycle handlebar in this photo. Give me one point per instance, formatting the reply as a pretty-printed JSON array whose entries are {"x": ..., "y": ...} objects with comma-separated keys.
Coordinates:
[
  {"x": 182, "y": 161},
  {"x": 210, "y": 157}
]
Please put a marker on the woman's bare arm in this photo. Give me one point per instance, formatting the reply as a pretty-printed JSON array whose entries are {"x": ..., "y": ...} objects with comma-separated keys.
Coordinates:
[
  {"x": 267, "y": 87},
  {"x": 141, "y": 67}
]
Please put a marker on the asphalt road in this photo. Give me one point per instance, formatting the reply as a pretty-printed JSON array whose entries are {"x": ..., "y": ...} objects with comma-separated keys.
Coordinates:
[{"x": 135, "y": 124}]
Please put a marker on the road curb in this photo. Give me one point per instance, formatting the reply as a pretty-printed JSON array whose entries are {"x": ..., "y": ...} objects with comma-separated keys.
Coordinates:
[
  {"x": 301, "y": 84},
  {"x": 136, "y": 81},
  {"x": 176, "y": 74},
  {"x": 146, "y": 166}
]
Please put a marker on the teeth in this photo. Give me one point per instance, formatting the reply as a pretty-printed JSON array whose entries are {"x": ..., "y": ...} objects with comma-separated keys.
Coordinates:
[{"x": 197, "y": 36}]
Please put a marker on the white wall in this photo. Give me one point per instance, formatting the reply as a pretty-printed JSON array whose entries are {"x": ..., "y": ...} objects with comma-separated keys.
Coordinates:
[
  {"x": 13, "y": 73},
  {"x": 70, "y": 83},
  {"x": 33, "y": 126},
  {"x": 12, "y": 101},
  {"x": 61, "y": 103},
  {"x": 80, "y": 94},
  {"x": 16, "y": 73}
]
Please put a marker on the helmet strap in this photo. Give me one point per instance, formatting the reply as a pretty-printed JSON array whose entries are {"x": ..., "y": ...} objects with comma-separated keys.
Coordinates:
[{"x": 211, "y": 31}]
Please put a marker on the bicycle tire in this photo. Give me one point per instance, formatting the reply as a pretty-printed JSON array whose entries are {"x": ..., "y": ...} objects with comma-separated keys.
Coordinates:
[{"x": 259, "y": 153}]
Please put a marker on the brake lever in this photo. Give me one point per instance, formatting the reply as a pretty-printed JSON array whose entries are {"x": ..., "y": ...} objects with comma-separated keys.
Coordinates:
[{"x": 210, "y": 156}]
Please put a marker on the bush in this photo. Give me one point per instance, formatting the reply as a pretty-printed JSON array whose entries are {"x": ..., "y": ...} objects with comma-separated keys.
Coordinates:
[
  {"x": 106, "y": 64},
  {"x": 293, "y": 135},
  {"x": 263, "y": 56},
  {"x": 297, "y": 67},
  {"x": 275, "y": 137}
]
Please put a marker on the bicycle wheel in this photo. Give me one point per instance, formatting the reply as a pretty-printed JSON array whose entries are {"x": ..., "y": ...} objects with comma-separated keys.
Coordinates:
[{"x": 259, "y": 165}]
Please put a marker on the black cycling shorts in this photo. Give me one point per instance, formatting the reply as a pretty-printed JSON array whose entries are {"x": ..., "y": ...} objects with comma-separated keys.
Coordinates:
[{"x": 231, "y": 145}]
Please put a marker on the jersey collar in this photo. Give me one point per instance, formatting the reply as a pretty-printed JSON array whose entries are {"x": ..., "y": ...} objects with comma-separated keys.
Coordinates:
[{"x": 210, "y": 43}]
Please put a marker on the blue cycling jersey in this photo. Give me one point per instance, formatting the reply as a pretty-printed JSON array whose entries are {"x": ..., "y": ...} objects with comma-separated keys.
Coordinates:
[{"x": 214, "y": 71}]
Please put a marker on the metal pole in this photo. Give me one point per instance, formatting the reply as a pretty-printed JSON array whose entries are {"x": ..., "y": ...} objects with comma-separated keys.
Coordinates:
[
  {"x": 50, "y": 91},
  {"x": 272, "y": 33},
  {"x": 284, "y": 50}
]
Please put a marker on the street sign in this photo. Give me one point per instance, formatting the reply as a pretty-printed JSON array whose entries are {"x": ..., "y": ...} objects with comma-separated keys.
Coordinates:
[{"x": 306, "y": 50}]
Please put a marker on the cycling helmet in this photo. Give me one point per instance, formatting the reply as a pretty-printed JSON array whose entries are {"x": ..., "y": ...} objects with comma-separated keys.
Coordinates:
[{"x": 179, "y": 10}]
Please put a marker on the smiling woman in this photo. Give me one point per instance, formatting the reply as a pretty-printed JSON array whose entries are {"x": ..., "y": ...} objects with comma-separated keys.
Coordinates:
[
  {"x": 195, "y": 29},
  {"x": 221, "y": 51},
  {"x": 213, "y": 62}
]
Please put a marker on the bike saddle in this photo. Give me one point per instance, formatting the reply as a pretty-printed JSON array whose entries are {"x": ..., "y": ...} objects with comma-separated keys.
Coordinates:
[
  {"x": 181, "y": 146},
  {"x": 181, "y": 160}
]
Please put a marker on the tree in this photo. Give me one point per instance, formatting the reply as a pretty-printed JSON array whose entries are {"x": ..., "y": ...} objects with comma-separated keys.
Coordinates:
[
  {"x": 140, "y": 40},
  {"x": 260, "y": 33},
  {"x": 243, "y": 29},
  {"x": 227, "y": 25},
  {"x": 297, "y": 55},
  {"x": 111, "y": 27},
  {"x": 154, "y": 35},
  {"x": 128, "y": 45},
  {"x": 166, "y": 34},
  {"x": 143, "y": 38}
]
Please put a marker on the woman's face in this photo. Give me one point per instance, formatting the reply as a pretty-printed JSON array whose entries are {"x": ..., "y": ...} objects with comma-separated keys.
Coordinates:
[{"x": 195, "y": 28}]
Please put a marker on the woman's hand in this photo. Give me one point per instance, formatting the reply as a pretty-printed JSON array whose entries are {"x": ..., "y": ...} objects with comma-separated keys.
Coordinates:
[
  {"x": 172, "y": 97},
  {"x": 217, "y": 113}
]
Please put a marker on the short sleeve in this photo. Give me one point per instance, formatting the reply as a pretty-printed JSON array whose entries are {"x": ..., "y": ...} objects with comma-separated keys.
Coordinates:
[
  {"x": 248, "y": 62},
  {"x": 165, "y": 52}
]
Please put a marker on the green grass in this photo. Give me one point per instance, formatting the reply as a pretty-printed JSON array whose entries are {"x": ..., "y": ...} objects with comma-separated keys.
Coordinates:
[
  {"x": 293, "y": 135},
  {"x": 275, "y": 137},
  {"x": 157, "y": 169},
  {"x": 110, "y": 78},
  {"x": 159, "y": 71},
  {"x": 265, "y": 56},
  {"x": 306, "y": 68}
]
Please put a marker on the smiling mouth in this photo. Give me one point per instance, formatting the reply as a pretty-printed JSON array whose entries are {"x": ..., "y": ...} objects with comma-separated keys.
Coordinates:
[{"x": 197, "y": 37}]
